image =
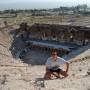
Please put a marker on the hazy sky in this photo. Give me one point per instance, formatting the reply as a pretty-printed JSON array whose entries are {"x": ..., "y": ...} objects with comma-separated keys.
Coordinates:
[{"x": 26, "y": 4}]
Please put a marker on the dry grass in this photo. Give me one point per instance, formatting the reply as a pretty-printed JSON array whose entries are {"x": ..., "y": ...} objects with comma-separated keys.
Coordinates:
[{"x": 44, "y": 19}]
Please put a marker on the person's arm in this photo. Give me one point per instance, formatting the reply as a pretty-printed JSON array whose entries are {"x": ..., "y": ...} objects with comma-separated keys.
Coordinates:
[{"x": 67, "y": 66}]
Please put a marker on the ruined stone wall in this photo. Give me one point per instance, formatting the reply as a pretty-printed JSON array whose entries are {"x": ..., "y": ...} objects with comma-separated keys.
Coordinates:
[{"x": 56, "y": 32}]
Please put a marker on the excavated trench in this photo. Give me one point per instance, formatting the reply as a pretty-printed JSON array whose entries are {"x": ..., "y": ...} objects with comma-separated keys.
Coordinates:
[
  {"x": 22, "y": 47},
  {"x": 26, "y": 52}
]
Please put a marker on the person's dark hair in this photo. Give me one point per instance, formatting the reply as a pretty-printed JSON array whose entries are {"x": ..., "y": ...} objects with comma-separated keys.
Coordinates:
[{"x": 53, "y": 51}]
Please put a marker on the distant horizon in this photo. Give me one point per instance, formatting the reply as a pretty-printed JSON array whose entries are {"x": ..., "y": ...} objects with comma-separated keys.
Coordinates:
[{"x": 40, "y": 4}]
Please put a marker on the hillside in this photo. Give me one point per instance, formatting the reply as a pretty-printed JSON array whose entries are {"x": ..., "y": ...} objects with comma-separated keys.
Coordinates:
[{"x": 17, "y": 75}]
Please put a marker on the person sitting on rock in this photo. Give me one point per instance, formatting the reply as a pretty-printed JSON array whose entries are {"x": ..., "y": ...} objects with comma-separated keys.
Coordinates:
[{"x": 53, "y": 66}]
